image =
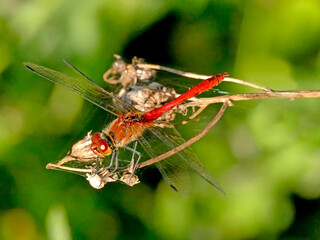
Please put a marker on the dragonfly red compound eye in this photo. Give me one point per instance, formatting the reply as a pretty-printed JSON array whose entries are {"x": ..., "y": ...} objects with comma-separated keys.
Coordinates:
[
  {"x": 99, "y": 146},
  {"x": 102, "y": 146},
  {"x": 95, "y": 138}
]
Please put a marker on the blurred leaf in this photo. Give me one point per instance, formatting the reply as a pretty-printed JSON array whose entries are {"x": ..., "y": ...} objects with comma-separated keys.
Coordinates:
[
  {"x": 57, "y": 224},
  {"x": 18, "y": 224}
]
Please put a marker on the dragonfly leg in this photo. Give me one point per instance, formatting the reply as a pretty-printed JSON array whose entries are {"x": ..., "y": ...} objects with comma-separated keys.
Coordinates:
[
  {"x": 116, "y": 162},
  {"x": 97, "y": 161},
  {"x": 128, "y": 176},
  {"x": 139, "y": 156},
  {"x": 114, "y": 153},
  {"x": 134, "y": 151},
  {"x": 133, "y": 166},
  {"x": 134, "y": 148}
]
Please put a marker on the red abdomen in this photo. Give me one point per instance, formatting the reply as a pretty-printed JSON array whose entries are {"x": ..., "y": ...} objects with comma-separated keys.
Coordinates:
[{"x": 194, "y": 91}]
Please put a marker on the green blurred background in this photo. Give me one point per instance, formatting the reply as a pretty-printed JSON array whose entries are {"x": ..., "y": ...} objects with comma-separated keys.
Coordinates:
[{"x": 264, "y": 153}]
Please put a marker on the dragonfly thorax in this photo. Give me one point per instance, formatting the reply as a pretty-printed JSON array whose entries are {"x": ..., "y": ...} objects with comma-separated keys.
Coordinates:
[
  {"x": 126, "y": 128},
  {"x": 123, "y": 130}
]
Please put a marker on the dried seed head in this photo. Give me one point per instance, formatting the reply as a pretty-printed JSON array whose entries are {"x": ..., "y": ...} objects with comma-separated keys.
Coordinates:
[
  {"x": 99, "y": 178},
  {"x": 128, "y": 74},
  {"x": 80, "y": 151},
  {"x": 95, "y": 181},
  {"x": 129, "y": 179}
]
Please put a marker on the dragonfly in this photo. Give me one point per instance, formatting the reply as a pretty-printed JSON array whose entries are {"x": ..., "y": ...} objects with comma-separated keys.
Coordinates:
[{"x": 132, "y": 125}]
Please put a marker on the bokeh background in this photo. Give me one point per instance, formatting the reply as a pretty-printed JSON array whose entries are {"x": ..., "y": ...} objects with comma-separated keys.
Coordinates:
[{"x": 264, "y": 153}]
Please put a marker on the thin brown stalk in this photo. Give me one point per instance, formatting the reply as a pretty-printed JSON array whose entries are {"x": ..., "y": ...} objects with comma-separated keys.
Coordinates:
[
  {"x": 252, "y": 96},
  {"x": 200, "y": 76},
  {"x": 57, "y": 166}
]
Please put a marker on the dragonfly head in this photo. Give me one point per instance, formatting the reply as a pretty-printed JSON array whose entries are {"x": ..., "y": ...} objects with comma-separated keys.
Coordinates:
[{"x": 99, "y": 146}]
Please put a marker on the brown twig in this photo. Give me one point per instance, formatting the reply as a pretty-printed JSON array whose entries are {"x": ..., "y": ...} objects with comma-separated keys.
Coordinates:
[
  {"x": 194, "y": 115},
  {"x": 57, "y": 166},
  {"x": 252, "y": 96},
  {"x": 200, "y": 76}
]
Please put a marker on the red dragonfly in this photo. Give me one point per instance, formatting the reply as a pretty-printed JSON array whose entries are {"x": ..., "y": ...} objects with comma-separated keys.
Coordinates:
[{"x": 132, "y": 125}]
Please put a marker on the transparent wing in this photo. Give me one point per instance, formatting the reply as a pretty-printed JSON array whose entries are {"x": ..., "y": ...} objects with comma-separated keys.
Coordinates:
[
  {"x": 85, "y": 87},
  {"x": 171, "y": 138},
  {"x": 173, "y": 170}
]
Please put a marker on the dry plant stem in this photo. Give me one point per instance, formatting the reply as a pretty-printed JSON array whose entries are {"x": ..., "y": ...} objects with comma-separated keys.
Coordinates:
[
  {"x": 189, "y": 142},
  {"x": 70, "y": 159},
  {"x": 201, "y": 108},
  {"x": 201, "y": 77},
  {"x": 249, "y": 84},
  {"x": 251, "y": 96},
  {"x": 55, "y": 166},
  {"x": 197, "y": 112}
]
